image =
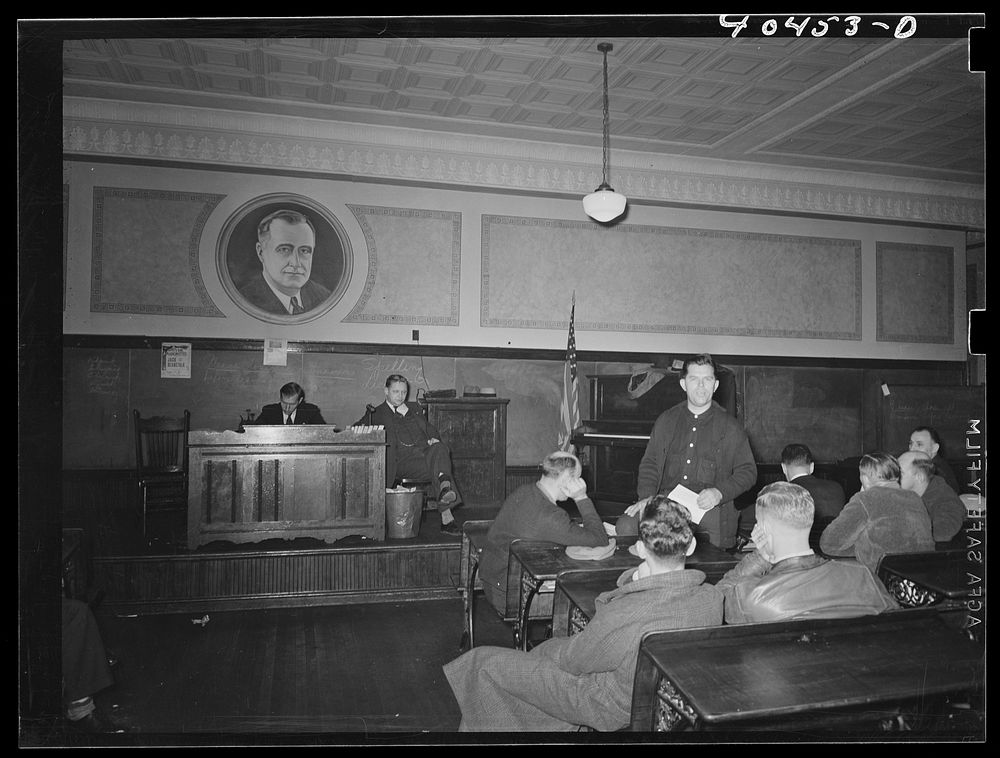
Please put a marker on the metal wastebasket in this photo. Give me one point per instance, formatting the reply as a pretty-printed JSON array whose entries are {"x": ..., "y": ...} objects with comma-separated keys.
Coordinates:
[{"x": 402, "y": 514}]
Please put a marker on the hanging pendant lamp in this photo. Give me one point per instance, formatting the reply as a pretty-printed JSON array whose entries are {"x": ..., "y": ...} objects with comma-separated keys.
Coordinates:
[{"x": 604, "y": 204}]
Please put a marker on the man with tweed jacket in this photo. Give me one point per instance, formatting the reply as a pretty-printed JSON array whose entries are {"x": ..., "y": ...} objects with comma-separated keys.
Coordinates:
[{"x": 586, "y": 679}]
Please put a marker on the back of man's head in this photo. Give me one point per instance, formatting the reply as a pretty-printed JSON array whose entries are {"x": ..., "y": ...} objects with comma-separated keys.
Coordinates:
[
  {"x": 796, "y": 460},
  {"x": 787, "y": 504},
  {"x": 796, "y": 454},
  {"x": 879, "y": 467},
  {"x": 915, "y": 470},
  {"x": 665, "y": 529}
]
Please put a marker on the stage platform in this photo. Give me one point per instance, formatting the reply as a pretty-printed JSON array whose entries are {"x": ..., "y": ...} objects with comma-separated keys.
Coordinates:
[{"x": 166, "y": 577}]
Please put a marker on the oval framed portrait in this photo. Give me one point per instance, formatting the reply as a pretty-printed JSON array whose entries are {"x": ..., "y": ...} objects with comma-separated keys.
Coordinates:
[{"x": 284, "y": 258}]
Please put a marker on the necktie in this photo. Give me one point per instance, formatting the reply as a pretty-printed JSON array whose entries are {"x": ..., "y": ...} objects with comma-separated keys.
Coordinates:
[
  {"x": 296, "y": 308},
  {"x": 289, "y": 421}
]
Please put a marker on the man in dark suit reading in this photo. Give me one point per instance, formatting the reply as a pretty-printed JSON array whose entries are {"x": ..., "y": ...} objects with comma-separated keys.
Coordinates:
[
  {"x": 293, "y": 409},
  {"x": 415, "y": 449}
]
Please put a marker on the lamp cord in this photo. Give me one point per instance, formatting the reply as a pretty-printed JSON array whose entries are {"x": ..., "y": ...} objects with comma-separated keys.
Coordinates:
[
  {"x": 607, "y": 140},
  {"x": 606, "y": 47}
]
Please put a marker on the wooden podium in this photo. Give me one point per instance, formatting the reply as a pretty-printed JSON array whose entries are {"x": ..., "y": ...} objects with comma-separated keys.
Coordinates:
[{"x": 285, "y": 482}]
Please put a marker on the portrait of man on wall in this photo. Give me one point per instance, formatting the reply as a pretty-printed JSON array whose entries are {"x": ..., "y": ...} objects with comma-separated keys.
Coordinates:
[{"x": 284, "y": 259}]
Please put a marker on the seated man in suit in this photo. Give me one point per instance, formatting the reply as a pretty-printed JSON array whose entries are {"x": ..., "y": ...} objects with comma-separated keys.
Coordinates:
[
  {"x": 881, "y": 518},
  {"x": 927, "y": 440},
  {"x": 945, "y": 508},
  {"x": 784, "y": 579},
  {"x": 586, "y": 679},
  {"x": 797, "y": 465},
  {"x": 415, "y": 449},
  {"x": 293, "y": 409},
  {"x": 828, "y": 496}
]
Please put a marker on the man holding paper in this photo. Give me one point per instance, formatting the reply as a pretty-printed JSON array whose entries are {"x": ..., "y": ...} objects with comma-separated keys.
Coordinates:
[{"x": 699, "y": 455}]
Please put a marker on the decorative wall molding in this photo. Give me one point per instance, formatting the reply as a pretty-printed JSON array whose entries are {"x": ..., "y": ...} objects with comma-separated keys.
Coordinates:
[
  {"x": 915, "y": 286},
  {"x": 137, "y": 132},
  {"x": 145, "y": 255},
  {"x": 772, "y": 285},
  {"x": 414, "y": 266}
]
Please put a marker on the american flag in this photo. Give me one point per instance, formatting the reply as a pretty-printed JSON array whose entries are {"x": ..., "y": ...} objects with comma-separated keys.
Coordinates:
[{"x": 570, "y": 410}]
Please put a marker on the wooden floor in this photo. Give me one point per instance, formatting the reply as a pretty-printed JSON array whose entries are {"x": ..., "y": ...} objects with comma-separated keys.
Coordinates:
[{"x": 353, "y": 673}]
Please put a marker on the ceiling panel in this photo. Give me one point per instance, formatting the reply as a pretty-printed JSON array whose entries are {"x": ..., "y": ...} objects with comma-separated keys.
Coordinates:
[{"x": 908, "y": 107}]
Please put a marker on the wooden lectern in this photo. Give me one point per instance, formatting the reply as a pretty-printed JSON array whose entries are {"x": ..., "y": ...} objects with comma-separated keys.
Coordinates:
[{"x": 285, "y": 482}]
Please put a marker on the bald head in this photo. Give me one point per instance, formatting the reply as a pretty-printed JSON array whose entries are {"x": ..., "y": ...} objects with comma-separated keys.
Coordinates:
[{"x": 915, "y": 471}]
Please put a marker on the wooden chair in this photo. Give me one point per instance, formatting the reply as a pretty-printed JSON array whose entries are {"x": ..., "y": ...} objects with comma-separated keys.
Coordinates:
[{"x": 161, "y": 457}]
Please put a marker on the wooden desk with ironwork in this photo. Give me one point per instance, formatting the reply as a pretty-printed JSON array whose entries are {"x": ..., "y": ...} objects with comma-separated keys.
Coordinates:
[
  {"x": 576, "y": 590},
  {"x": 804, "y": 674},
  {"x": 540, "y": 563},
  {"x": 928, "y": 578},
  {"x": 473, "y": 541}
]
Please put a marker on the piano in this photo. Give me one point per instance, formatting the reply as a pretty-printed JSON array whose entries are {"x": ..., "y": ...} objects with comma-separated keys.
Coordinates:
[{"x": 617, "y": 431}]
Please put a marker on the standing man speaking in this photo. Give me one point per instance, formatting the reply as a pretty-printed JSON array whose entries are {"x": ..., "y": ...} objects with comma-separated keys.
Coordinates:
[{"x": 697, "y": 444}]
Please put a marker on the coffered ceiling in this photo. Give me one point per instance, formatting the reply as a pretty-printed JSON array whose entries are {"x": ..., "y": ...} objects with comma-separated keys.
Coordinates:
[{"x": 896, "y": 108}]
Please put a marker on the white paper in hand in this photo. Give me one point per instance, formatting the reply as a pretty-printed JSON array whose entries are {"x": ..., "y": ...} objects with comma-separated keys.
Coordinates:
[{"x": 689, "y": 499}]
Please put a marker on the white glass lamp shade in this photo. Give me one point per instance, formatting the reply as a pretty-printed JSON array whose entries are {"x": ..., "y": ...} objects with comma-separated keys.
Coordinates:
[{"x": 604, "y": 204}]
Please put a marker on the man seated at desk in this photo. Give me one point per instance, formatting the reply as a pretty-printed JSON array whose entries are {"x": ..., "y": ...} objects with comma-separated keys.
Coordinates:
[
  {"x": 293, "y": 409},
  {"x": 927, "y": 440},
  {"x": 945, "y": 508},
  {"x": 784, "y": 579},
  {"x": 415, "y": 449},
  {"x": 881, "y": 518},
  {"x": 531, "y": 513},
  {"x": 587, "y": 679}
]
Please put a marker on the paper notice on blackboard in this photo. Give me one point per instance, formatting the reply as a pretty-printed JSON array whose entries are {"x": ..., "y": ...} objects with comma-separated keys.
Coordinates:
[
  {"x": 275, "y": 352},
  {"x": 688, "y": 499},
  {"x": 175, "y": 360}
]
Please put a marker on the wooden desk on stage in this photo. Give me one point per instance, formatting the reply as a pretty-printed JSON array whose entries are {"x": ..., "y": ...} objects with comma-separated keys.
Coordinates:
[
  {"x": 795, "y": 675},
  {"x": 285, "y": 482}
]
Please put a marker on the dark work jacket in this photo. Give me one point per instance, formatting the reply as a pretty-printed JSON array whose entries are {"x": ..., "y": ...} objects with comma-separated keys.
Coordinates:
[
  {"x": 945, "y": 471},
  {"x": 806, "y": 586},
  {"x": 412, "y": 430},
  {"x": 306, "y": 413}
]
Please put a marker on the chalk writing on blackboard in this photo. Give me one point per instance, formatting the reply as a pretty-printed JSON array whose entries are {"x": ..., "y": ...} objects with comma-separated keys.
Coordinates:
[
  {"x": 379, "y": 367},
  {"x": 103, "y": 376},
  {"x": 229, "y": 373}
]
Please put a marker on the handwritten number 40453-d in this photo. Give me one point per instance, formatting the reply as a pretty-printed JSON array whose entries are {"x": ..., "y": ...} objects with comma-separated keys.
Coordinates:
[{"x": 819, "y": 27}]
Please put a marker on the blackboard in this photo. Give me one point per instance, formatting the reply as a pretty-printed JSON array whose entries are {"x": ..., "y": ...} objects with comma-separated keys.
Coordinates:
[
  {"x": 817, "y": 407},
  {"x": 101, "y": 387},
  {"x": 95, "y": 408},
  {"x": 949, "y": 410}
]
